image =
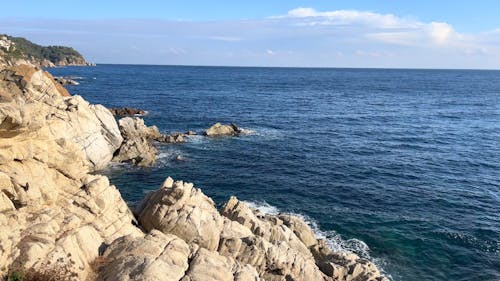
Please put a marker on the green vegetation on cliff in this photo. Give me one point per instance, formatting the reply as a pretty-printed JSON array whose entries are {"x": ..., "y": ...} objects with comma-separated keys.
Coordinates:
[{"x": 58, "y": 55}]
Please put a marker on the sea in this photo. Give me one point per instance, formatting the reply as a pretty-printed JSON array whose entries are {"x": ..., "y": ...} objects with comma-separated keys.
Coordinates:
[{"x": 400, "y": 166}]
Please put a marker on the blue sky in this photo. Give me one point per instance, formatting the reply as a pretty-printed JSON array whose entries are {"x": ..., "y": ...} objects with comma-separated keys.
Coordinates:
[{"x": 365, "y": 33}]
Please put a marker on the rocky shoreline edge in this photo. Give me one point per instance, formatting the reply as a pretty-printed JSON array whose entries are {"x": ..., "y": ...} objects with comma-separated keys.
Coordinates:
[{"x": 60, "y": 218}]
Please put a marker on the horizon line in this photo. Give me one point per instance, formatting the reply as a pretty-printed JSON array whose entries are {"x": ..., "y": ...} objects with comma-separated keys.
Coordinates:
[{"x": 298, "y": 67}]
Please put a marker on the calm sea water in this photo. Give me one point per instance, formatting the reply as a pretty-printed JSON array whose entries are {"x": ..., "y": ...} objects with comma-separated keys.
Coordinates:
[{"x": 402, "y": 166}]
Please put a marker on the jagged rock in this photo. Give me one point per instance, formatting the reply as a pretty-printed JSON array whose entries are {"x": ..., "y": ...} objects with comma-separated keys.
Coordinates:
[
  {"x": 179, "y": 208},
  {"x": 219, "y": 129},
  {"x": 138, "y": 151},
  {"x": 172, "y": 138},
  {"x": 281, "y": 240},
  {"x": 272, "y": 261},
  {"x": 272, "y": 248},
  {"x": 277, "y": 247},
  {"x": 135, "y": 128},
  {"x": 210, "y": 266},
  {"x": 52, "y": 210},
  {"x": 271, "y": 228},
  {"x": 60, "y": 211},
  {"x": 65, "y": 81},
  {"x": 138, "y": 145},
  {"x": 34, "y": 100},
  {"x": 155, "y": 257},
  {"x": 127, "y": 111}
]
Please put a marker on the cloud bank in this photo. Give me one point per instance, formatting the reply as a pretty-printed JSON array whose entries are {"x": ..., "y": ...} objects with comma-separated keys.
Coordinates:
[{"x": 300, "y": 37}]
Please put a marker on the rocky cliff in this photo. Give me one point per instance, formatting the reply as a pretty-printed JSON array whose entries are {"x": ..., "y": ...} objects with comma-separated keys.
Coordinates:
[
  {"x": 17, "y": 50},
  {"x": 59, "y": 217}
]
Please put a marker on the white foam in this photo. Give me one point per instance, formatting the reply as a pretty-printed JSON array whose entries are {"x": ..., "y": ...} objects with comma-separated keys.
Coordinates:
[
  {"x": 196, "y": 139},
  {"x": 334, "y": 240},
  {"x": 169, "y": 155},
  {"x": 247, "y": 132},
  {"x": 115, "y": 165},
  {"x": 263, "y": 207},
  {"x": 266, "y": 133}
]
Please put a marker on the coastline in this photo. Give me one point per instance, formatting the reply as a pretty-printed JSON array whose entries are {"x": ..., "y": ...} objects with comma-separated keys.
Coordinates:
[{"x": 278, "y": 239}]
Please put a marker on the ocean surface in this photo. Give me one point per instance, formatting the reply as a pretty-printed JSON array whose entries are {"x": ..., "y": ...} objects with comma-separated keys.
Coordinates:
[{"x": 400, "y": 166}]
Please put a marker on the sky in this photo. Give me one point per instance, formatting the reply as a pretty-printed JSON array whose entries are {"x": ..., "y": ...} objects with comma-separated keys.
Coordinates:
[{"x": 321, "y": 33}]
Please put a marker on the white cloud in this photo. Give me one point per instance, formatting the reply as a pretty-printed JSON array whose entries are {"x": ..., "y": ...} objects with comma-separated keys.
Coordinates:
[
  {"x": 300, "y": 37},
  {"x": 224, "y": 38},
  {"x": 386, "y": 28},
  {"x": 441, "y": 32},
  {"x": 344, "y": 17}
]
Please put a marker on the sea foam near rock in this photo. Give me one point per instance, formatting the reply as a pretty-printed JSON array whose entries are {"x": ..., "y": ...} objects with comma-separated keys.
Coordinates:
[{"x": 333, "y": 239}]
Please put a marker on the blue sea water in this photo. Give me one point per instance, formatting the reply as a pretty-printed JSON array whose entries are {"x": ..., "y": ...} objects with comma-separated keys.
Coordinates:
[{"x": 402, "y": 166}]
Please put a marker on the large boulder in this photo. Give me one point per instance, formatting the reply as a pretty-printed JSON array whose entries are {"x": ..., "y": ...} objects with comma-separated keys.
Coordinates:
[
  {"x": 138, "y": 146},
  {"x": 210, "y": 266},
  {"x": 271, "y": 228},
  {"x": 266, "y": 244},
  {"x": 138, "y": 151},
  {"x": 31, "y": 99},
  {"x": 131, "y": 127},
  {"x": 219, "y": 129},
  {"x": 52, "y": 209},
  {"x": 179, "y": 208},
  {"x": 53, "y": 212},
  {"x": 284, "y": 246},
  {"x": 155, "y": 257}
]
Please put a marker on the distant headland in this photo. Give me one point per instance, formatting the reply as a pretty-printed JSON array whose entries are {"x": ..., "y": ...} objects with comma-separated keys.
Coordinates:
[{"x": 18, "y": 50}]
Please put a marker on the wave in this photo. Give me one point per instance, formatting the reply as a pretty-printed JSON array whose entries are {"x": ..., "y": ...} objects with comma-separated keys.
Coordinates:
[
  {"x": 334, "y": 240},
  {"x": 263, "y": 132},
  {"x": 263, "y": 207},
  {"x": 196, "y": 139},
  {"x": 169, "y": 155}
]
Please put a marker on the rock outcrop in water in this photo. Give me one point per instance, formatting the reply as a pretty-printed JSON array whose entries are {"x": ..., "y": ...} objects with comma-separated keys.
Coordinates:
[
  {"x": 219, "y": 129},
  {"x": 55, "y": 213},
  {"x": 138, "y": 146},
  {"x": 127, "y": 112},
  {"x": 66, "y": 81}
]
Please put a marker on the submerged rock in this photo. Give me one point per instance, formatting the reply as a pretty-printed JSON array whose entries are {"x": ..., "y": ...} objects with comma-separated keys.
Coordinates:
[
  {"x": 219, "y": 129},
  {"x": 127, "y": 111}
]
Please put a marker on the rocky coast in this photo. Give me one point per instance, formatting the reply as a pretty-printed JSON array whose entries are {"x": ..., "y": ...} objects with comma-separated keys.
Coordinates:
[{"x": 60, "y": 217}]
